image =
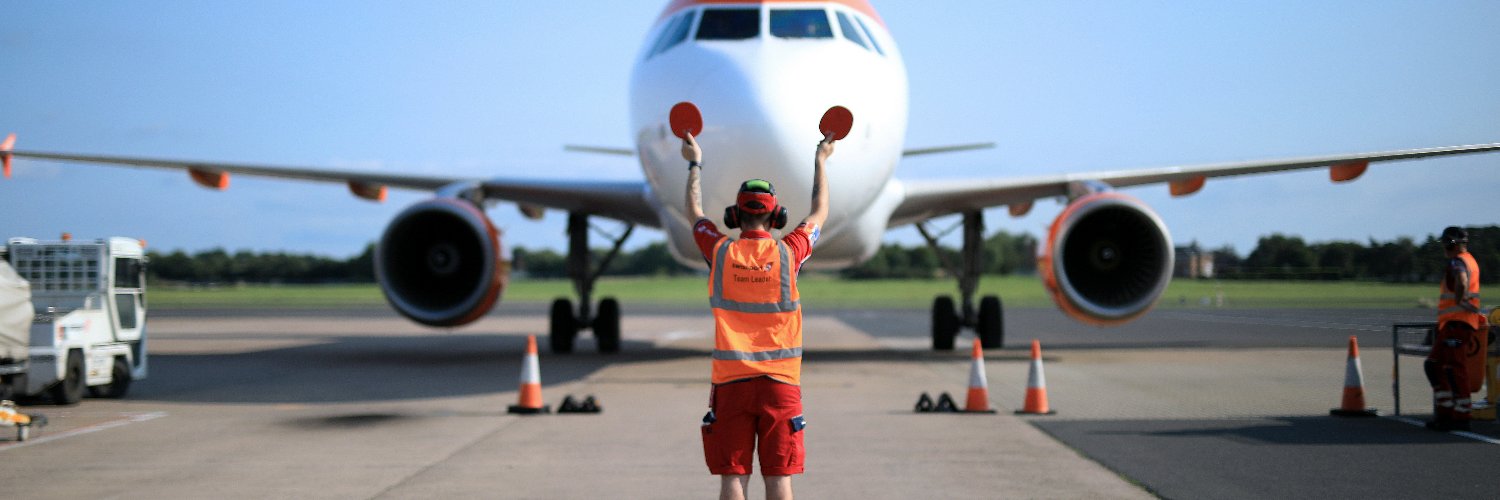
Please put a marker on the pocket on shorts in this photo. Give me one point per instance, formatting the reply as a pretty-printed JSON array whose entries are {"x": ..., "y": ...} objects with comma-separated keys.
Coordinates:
[
  {"x": 712, "y": 449},
  {"x": 794, "y": 446}
]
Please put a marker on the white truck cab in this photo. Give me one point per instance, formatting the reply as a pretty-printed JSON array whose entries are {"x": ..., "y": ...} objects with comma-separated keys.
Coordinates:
[{"x": 89, "y": 329}]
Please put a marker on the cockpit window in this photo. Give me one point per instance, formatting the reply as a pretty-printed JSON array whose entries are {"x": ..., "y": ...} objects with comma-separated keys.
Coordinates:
[
  {"x": 800, "y": 23},
  {"x": 850, "y": 32},
  {"x": 675, "y": 33},
  {"x": 661, "y": 38},
  {"x": 729, "y": 24},
  {"x": 871, "y": 35}
]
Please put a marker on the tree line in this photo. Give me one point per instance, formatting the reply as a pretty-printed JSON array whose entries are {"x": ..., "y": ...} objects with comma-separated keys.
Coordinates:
[
  {"x": 1402, "y": 260},
  {"x": 244, "y": 266},
  {"x": 1275, "y": 257}
]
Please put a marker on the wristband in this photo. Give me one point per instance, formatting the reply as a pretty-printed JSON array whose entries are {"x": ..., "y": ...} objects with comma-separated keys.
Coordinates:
[{"x": 692, "y": 164}]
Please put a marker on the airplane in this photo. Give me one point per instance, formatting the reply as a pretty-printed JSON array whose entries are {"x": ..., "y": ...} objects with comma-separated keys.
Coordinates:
[{"x": 1106, "y": 259}]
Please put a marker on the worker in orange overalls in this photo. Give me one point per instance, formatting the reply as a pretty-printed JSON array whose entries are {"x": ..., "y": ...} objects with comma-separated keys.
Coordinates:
[
  {"x": 757, "y": 357},
  {"x": 1458, "y": 349}
]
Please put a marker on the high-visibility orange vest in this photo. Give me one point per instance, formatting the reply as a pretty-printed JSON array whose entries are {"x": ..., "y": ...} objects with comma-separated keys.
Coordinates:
[
  {"x": 757, "y": 312},
  {"x": 1465, "y": 308}
]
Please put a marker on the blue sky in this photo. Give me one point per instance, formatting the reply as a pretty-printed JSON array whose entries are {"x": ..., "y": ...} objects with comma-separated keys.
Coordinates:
[{"x": 496, "y": 88}]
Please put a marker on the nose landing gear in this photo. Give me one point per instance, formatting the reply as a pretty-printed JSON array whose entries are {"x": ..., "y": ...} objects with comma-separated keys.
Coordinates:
[
  {"x": 565, "y": 323},
  {"x": 988, "y": 322}
]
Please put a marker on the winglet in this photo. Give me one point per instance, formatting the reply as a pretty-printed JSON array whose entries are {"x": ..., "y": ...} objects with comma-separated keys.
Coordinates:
[{"x": 5, "y": 156}]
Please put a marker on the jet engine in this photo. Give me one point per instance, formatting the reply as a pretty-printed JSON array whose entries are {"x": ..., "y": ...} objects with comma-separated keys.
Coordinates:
[
  {"x": 439, "y": 263},
  {"x": 1108, "y": 258}
]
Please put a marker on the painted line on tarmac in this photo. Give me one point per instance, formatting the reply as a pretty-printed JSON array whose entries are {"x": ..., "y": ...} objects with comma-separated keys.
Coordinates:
[
  {"x": 129, "y": 419},
  {"x": 677, "y": 335},
  {"x": 1467, "y": 434},
  {"x": 1295, "y": 323}
]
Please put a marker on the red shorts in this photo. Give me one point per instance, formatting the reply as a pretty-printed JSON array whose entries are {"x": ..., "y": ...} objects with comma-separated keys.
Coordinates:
[{"x": 759, "y": 409}]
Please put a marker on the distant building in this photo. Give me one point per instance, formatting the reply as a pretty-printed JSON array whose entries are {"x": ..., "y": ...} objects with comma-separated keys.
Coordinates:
[{"x": 1193, "y": 262}]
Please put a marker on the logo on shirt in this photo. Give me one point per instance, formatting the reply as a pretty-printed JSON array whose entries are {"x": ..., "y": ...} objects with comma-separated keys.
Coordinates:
[{"x": 752, "y": 266}]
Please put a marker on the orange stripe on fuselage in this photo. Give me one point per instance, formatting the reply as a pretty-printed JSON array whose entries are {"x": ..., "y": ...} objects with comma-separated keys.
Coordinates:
[{"x": 862, "y": 6}]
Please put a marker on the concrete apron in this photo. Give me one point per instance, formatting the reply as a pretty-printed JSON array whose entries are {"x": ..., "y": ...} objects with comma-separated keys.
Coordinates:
[{"x": 863, "y": 439}]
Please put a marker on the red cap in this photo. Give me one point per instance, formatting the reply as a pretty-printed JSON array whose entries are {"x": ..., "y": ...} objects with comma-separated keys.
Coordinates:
[{"x": 753, "y": 202}]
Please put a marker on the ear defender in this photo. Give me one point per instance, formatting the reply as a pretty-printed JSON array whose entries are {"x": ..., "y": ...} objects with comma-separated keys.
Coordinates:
[
  {"x": 732, "y": 217},
  {"x": 778, "y": 217}
]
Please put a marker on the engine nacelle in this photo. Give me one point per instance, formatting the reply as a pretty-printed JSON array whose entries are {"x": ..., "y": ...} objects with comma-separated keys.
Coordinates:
[
  {"x": 1108, "y": 258},
  {"x": 439, "y": 263}
]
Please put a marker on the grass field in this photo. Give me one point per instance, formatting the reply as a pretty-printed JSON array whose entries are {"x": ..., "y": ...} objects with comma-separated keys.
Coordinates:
[{"x": 1017, "y": 291}]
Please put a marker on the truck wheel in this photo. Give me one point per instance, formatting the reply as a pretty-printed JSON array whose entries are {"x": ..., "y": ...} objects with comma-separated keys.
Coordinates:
[
  {"x": 70, "y": 389},
  {"x": 118, "y": 385}
]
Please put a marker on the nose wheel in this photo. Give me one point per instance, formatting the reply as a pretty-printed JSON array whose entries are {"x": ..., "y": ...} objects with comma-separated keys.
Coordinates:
[
  {"x": 565, "y": 326},
  {"x": 565, "y": 322},
  {"x": 948, "y": 318}
]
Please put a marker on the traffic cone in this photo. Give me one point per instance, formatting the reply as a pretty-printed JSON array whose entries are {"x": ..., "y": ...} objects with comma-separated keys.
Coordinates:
[
  {"x": 531, "y": 383},
  {"x": 1353, "y": 404},
  {"x": 979, "y": 387},
  {"x": 1036, "y": 385}
]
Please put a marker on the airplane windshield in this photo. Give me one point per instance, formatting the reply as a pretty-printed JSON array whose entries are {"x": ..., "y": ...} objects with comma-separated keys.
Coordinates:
[
  {"x": 800, "y": 23},
  {"x": 850, "y": 32},
  {"x": 729, "y": 24},
  {"x": 674, "y": 34},
  {"x": 870, "y": 35}
]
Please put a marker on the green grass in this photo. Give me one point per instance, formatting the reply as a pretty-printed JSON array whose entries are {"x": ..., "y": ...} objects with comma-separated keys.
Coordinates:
[{"x": 823, "y": 291}]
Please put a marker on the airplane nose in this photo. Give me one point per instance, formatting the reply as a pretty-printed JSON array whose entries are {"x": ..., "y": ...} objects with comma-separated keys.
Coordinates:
[{"x": 761, "y": 108}]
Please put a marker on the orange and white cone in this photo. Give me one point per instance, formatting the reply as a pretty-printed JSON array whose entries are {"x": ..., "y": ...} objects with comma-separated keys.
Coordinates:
[
  {"x": 1036, "y": 385},
  {"x": 1353, "y": 404},
  {"x": 531, "y": 382},
  {"x": 979, "y": 386}
]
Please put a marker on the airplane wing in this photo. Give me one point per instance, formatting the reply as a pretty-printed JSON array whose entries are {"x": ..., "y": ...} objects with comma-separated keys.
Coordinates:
[
  {"x": 621, "y": 200},
  {"x": 928, "y": 199}
]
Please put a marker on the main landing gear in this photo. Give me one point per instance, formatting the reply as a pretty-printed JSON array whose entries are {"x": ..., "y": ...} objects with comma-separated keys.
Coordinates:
[
  {"x": 565, "y": 323},
  {"x": 988, "y": 322}
]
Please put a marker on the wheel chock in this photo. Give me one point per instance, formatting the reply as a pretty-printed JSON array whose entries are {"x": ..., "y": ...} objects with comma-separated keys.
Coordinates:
[
  {"x": 924, "y": 403},
  {"x": 945, "y": 404},
  {"x": 588, "y": 405}
]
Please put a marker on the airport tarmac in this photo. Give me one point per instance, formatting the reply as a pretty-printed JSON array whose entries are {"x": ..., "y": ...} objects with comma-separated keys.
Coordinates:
[{"x": 1185, "y": 403}]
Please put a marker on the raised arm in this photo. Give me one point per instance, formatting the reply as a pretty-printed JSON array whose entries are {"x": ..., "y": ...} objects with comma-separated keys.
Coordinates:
[
  {"x": 820, "y": 183},
  {"x": 694, "y": 157}
]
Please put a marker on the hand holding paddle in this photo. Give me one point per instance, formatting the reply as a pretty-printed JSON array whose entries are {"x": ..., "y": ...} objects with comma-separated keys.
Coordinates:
[
  {"x": 835, "y": 125},
  {"x": 690, "y": 150}
]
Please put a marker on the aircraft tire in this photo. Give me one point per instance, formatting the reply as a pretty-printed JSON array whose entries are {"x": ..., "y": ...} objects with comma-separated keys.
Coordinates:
[
  {"x": 118, "y": 385},
  {"x": 944, "y": 323},
  {"x": 991, "y": 327},
  {"x": 563, "y": 327},
  {"x": 607, "y": 325},
  {"x": 70, "y": 389}
]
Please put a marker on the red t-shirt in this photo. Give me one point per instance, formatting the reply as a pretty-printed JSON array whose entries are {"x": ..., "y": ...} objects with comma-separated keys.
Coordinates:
[{"x": 800, "y": 240}]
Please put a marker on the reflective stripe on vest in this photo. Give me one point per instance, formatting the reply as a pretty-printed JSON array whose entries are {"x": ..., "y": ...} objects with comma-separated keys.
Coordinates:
[
  {"x": 786, "y": 304},
  {"x": 758, "y": 322},
  {"x": 795, "y": 352},
  {"x": 1466, "y": 309}
]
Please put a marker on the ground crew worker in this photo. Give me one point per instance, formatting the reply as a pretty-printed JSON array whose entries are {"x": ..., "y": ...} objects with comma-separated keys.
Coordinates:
[
  {"x": 757, "y": 357},
  {"x": 1457, "y": 347}
]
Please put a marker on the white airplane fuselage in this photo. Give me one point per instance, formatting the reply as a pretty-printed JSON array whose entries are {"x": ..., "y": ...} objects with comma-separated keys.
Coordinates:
[{"x": 761, "y": 100}]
